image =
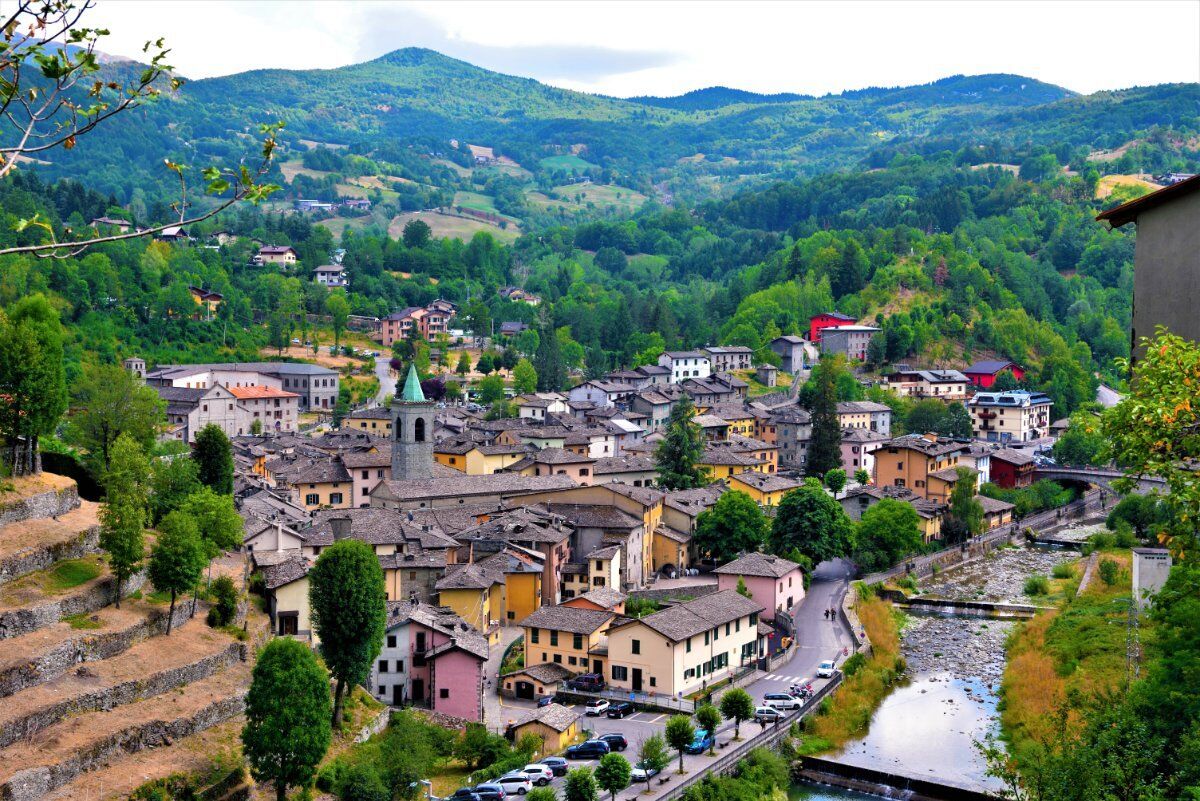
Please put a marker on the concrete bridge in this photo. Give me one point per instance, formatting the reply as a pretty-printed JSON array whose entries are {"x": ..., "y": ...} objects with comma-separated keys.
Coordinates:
[{"x": 1100, "y": 476}]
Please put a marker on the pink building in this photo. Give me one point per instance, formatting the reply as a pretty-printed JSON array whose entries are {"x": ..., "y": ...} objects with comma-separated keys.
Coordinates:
[
  {"x": 774, "y": 582},
  {"x": 430, "y": 658}
]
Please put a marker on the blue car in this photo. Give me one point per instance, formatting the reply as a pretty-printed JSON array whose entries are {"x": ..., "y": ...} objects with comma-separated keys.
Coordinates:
[{"x": 700, "y": 743}]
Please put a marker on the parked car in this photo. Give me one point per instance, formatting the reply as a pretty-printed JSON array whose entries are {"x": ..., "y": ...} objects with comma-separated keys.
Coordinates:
[
  {"x": 781, "y": 701},
  {"x": 596, "y": 707},
  {"x": 620, "y": 709},
  {"x": 767, "y": 714},
  {"x": 588, "y": 682},
  {"x": 616, "y": 742},
  {"x": 539, "y": 774},
  {"x": 556, "y": 764},
  {"x": 546, "y": 700},
  {"x": 515, "y": 782},
  {"x": 643, "y": 771},
  {"x": 490, "y": 792},
  {"x": 826, "y": 669},
  {"x": 465, "y": 794},
  {"x": 592, "y": 749},
  {"x": 701, "y": 742}
]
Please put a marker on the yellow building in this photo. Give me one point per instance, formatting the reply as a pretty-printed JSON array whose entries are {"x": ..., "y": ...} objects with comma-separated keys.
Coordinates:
[
  {"x": 556, "y": 725},
  {"x": 478, "y": 460},
  {"x": 687, "y": 647},
  {"x": 721, "y": 463},
  {"x": 373, "y": 421},
  {"x": 522, "y": 580},
  {"x": 671, "y": 548},
  {"x": 908, "y": 461},
  {"x": 567, "y": 636},
  {"x": 765, "y": 489},
  {"x": 477, "y": 595}
]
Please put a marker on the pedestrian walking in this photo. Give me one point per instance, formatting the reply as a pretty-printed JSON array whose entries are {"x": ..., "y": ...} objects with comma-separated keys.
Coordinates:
[{"x": 826, "y": 613}]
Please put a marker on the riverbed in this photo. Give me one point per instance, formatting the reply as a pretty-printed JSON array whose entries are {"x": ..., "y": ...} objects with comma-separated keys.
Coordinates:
[{"x": 929, "y": 726}]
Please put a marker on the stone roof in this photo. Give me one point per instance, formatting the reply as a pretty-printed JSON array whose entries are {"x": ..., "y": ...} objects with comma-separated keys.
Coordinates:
[
  {"x": 607, "y": 552},
  {"x": 1012, "y": 456},
  {"x": 862, "y": 436},
  {"x": 766, "y": 482},
  {"x": 544, "y": 672},
  {"x": 524, "y": 524},
  {"x": 567, "y": 618},
  {"x": 374, "y": 413},
  {"x": 646, "y": 496},
  {"x": 860, "y": 407},
  {"x": 607, "y": 465},
  {"x": 694, "y": 501},
  {"x": 992, "y": 505},
  {"x": 285, "y": 572},
  {"x": 469, "y": 577},
  {"x": 690, "y": 618},
  {"x": 377, "y": 526},
  {"x": 441, "y": 619},
  {"x": 461, "y": 485},
  {"x": 594, "y": 515},
  {"x": 604, "y": 596},
  {"x": 758, "y": 564},
  {"x": 929, "y": 447},
  {"x": 556, "y": 716},
  {"x": 946, "y": 474}
]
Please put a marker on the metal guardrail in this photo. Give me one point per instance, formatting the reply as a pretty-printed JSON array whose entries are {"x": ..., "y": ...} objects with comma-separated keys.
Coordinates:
[
  {"x": 768, "y": 737},
  {"x": 667, "y": 703}
]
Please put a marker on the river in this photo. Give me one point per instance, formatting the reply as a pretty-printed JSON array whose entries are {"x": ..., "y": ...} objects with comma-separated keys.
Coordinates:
[{"x": 929, "y": 725}]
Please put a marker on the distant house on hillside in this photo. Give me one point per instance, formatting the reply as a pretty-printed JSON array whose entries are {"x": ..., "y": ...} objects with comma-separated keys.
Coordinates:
[
  {"x": 330, "y": 275},
  {"x": 983, "y": 374},
  {"x": 516, "y": 293},
  {"x": 174, "y": 233},
  {"x": 276, "y": 254},
  {"x": 209, "y": 300},
  {"x": 121, "y": 225},
  {"x": 826, "y": 320}
]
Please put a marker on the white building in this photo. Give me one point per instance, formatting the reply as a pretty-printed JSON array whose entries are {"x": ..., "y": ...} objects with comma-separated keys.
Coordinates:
[
  {"x": 1013, "y": 416},
  {"x": 685, "y": 364}
]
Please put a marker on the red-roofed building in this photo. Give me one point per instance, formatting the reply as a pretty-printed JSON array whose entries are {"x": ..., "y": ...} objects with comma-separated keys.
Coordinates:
[
  {"x": 826, "y": 320},
  {"x": 276, "y": 409},
  {"x": 428, "y": 321},
  {"x": 983, "y": 374}
]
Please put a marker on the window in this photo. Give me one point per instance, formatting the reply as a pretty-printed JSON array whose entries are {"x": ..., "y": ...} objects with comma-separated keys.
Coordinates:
[
  {"x": 636, "y": 645},
  {"x": 726, "y": 629},
  {"x": 754, "y": 618},
  {"x": 689, "y": 645},
  {"x": 419, "y": 430},
  {"x": 706, "y": 638},
  {"x": 335, "y": 498},
  {"x": 577, "y": 641},
  {"x": 553, "y": 638},
  {"x": 444, "y": 692},
  {"x": 399, "y": 665},
  {"x": 383, "y": 666},
  {"x": 366, "y": 474},
  {"x": 620, "y": 673},
  {"x": 391, "y": 641},
  {"x": 312, "y": 499},
  {"x": 558, "y": 659},
  {"x": 653, "y": 682}
]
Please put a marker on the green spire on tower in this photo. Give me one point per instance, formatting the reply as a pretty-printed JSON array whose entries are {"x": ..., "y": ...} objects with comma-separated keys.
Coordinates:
[{"x": 412, "y": 387}]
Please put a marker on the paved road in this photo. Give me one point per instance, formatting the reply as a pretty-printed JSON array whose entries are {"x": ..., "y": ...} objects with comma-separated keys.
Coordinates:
[{"x": 387, "y": 378}]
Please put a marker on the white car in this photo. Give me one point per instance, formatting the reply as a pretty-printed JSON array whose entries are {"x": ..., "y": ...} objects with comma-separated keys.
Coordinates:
[
  {"x": 541, "y": 775},
  {"x": 515, "y": 782},
  {"x": 642, "y": 772},
  {"x": 596, "y": 708},
  {"x": 767, "y": 714},
  {"x": 781, "y": 701},
  {"x": 826, "y": 669}
]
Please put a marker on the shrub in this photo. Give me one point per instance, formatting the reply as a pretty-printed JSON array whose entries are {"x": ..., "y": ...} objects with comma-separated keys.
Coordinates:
[
  {"x": 1103, "y": 539},
  {"x": 1124, "y": 537},
  {"x": 1108, "y": 571},
  {"x": 853, "y": 664},
  {"x": 362, "y": 783},
  {"x": 909, "y": 584},
  {"x": 1037, "y": 585},
  {"x": 1062, "y": 571},
  {"x": 225, "y": 602}
]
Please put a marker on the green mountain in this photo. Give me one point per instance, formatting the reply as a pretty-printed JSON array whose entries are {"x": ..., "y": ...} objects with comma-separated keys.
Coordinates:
[{"x": 409, "y": 104}]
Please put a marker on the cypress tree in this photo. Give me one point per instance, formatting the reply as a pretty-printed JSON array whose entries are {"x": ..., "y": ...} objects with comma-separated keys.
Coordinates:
[{"x": 825, "y": 449}]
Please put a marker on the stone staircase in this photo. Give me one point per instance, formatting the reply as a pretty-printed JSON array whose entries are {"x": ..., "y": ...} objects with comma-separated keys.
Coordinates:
[{"x": 94, "y": 700}]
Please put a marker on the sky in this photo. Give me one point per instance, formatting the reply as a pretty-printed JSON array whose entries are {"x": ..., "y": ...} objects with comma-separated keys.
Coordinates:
[{"x": 666, "y": 48}]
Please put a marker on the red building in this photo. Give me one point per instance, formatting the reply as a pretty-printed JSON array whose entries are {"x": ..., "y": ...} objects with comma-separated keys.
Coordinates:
[
  {"x": 826, "y": 320},
  {"x": 1011, "y": 469},
  {"x": 983, "y": 374}
]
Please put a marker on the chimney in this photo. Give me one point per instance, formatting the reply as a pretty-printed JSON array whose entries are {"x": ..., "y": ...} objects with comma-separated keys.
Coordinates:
[{"x": 341, "y": 527}]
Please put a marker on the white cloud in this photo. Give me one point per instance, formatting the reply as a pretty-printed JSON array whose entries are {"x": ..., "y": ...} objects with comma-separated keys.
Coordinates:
[{"x": 629, "y": 48}]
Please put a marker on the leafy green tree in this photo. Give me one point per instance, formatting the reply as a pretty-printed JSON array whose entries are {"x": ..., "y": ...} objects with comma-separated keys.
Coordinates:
[
  {"x": 221, "y": 527},
  {"x": 813, "y": 523},
  {"x": 416, "y": 234},
  {"x": 178, "y": 557},
  {"x": 214, "y": 454},
  {"x": 835, "y": 480},
  {"x": 957, "y": 422},
  {"x": 862, "y": 477},
  {"x": 464, "y": 363},
  {"x": 1146, "y": 515},
  {"x": 124, "y": 515},
  {"x": 524, "y": 377},
  {"x": 613, "y": 774},
  {"x": 742, "y": 589},
  {"x": 737, "y": 705},
  {"x": 709, "y": 717},
  {"x": 1082, "y": 443},
  {"x": 548, "y": 362},
  {"x": 541, "y": 794},
  {"x": 965, "y": 515},
  {"x": 33, "y": 385},
  {"x": 653, "y": 755},
  {"x": 109, "y": 401},
  {"x": 887, "y": 532},
  {"x": 733, "y": 525},
  {"x": 580, "y": 785},
  {"x": 680, "y": 449},
  {"x": 349, "y": 612},
  {"x": 486, "y": 364},
  {"x": 1005, "y": 381},
  {"x": 338, "y": 308},
  {"x": 825, "y": 448},
  {"x": 287, "y": 728},
  {"x": 479, "y": 748},
  {"x": 491, "y": 389},
  {"x": 362, "y": 782},
  {"x": 679, "y": 733}
]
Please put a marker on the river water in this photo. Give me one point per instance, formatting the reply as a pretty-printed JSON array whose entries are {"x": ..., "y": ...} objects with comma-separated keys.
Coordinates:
[{"x": 929, "y": 726}]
